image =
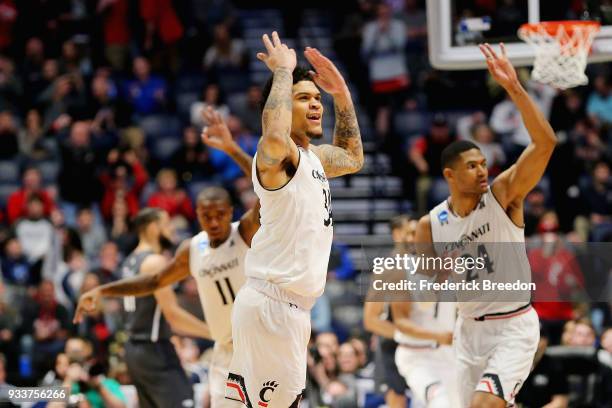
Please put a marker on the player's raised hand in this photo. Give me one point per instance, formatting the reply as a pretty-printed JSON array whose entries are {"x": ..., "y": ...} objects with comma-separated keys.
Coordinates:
[
  {"x": 278, "y": 54},
  {"x": 216, "y": 134},
  {"x": 87, "y": 304},
  {"x": 499, "y": 66},
  {"x": 325, "y": 75}
]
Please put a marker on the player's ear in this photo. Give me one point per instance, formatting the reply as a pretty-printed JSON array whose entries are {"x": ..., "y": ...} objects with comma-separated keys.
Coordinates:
[{"x": 448, "y": 173}]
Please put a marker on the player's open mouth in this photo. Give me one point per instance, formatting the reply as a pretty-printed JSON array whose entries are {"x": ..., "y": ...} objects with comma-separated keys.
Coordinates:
[
  {"x": 483, "y": 183},
  {"x": 314, "y": 117}
]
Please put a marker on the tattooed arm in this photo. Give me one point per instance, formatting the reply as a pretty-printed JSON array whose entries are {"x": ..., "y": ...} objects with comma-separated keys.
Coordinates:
[
  {"x": 275, "y": 147},
  {"x": 345, "y": 155}
]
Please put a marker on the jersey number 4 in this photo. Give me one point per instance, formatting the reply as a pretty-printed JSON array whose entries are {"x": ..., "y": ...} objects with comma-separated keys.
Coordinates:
[
  {"x": 230, "y": 291},
  {"x": 327, "y": 204}
]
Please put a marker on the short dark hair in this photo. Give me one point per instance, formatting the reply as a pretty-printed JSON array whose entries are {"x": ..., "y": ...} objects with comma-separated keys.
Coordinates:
[
  {"x": 299, "y": 74},
  {"x": 451, "y": 152},
  {"x": 214, "y": 193},
  {"x": 145, "y": 217},
  {"x": 397, "y": 221}
]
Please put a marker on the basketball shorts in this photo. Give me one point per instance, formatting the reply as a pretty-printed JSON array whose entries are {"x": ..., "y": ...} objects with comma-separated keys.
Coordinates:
[
  {"x": 430, "y": 374},
  {"x": 270, "y": 335},
  {"x": 218, "y": 372},
  {"x": 495, "y": 354}
]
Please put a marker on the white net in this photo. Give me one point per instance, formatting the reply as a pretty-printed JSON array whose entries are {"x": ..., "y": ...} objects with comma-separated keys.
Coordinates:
[{"x": 561, "y": 51}]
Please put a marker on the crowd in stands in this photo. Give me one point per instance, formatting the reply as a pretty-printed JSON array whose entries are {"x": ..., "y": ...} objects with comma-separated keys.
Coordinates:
[{"x": 100, "y": 115}]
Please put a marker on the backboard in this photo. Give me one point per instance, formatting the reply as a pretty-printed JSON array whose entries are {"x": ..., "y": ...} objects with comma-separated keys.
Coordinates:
[{"x": 456, "y": 27}]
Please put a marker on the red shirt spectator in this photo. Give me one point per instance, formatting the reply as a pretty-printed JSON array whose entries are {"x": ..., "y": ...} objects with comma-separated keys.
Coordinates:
[
  {"x": 160, "y": 18},
  {"x": 8, "y": 15},
  {"x": 17, "y": 202},
  {"x": 117, "y": 185},
  {"x": 116, "y": 29},
  {"x": 170, "y": 198}
]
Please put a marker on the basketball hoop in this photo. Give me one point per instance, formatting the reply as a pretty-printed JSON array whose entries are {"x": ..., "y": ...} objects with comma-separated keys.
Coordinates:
[{"x": 561, "y": 50}]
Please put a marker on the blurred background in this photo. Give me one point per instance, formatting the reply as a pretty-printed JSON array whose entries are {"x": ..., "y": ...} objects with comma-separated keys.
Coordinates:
[{"x": 100, "y": 104}]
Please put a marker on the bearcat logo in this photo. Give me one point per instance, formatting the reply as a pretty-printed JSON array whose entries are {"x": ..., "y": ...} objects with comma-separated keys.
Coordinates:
[{"x": 264, "y": 395}]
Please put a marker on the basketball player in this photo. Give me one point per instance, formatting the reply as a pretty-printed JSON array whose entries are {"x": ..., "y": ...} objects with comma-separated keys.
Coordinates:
[
  {"x": 424, "y": 356},
  {"x": 286, "y": 266},
  {"x": 150, "y": 356},
  {"x": 495, "y": 342},
  {"x": 378, "y": 319},
  {"x": 214, "y": 257}
]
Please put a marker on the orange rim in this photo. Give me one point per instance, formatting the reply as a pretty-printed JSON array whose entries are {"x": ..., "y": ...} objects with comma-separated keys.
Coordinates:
[{"x": 551, "y": 27}]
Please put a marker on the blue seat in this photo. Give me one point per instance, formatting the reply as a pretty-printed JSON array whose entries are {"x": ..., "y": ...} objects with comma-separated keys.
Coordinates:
[
  {"x": 49, "y": 171},
  {"x": 161, "y": 126},
  {"x": 164, "y": 147},
  {"x": 5, "y": 191}
]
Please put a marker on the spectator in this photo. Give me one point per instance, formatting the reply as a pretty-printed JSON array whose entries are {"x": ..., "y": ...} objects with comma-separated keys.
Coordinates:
[
  {"x": 55, "y": 377},
  {"x": 175, "y": 201},
  {"x": 123, "y": 181},
  {"x": 108, "y": 262},
  {"x": 8, "y": 136},
  {"x": 191, "y": 160},
  {"x": 506, "y": 120},
  {"x": 535, "y": 207},
  {"x": 73, "y": 62},
  {"x": 103, "y": 107},
  {"x": 484, "y": 138},
  {"x": 31, "y": 142},
  {"x": 32, "y": 69},
  {"x": 599, "y": 104},
  {"x": 48, "y": 323},
  {"x": 31, "y": 184},
  {"x": 340, "y": 265},
  {"x": 226, "y": 59},
  {"x": 383, "y": 49},
  {"x": 211, "y": 97},
  {"x": 597, "y": 195},
  {"x": 9, "y": 329},
  {"x": 4, "y": 386},
  {"x": 15, "y": 265},
  {"x": 424, "y": 154},
  {"x": 146, "y": 93},
  {"x": 11, "y": 89},
  {"x": 86, "y": 378},
  {"x": 163, "y": 29},
  {"x": 189, "y": 354},
  {"x": 117, "y": 35},
  {"x": 249, "y": 110},
  {"x": 8, "y": 16},
  {"x": 62, "y": 100},
  {"x": 98, "y": 325},
  {"x": 567, "y": 109},
  {"x": 583, "y": 334},
  {"x": 92, "y": 235},
  {"x": 547, "y": 384},
  {"x": 606, "y": 340},
  {"x": 77, "y": 178},
  {"x": 35, "y": 234},
  {"x": 225, "y": 167}
]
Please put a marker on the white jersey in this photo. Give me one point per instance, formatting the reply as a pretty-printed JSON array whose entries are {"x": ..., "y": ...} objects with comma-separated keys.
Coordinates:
[
  {"x": 291, "y": 248},
  {"x": 219, "y": 273},
  {"x": 503, "y": 248},
  {"x": 434, "y": 316}
]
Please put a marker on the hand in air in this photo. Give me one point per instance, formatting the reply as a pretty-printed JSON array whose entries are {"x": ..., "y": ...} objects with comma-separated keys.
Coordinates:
[
  {"x": 216, "y": 134},
  {"x": 325, "y": 74},
  {"x": 278, "y": 54},
  {"x": 500, "y": 67}
]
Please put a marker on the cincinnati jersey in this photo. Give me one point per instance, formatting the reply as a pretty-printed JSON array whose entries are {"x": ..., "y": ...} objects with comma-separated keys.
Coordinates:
[
  {"x": 145, "y": 320},
  {"x": 292, "y": 246},
  {"x": 489, "y": 234},
  {"x": 434, "y": 316},
  {"x": 219, "y": 273}
]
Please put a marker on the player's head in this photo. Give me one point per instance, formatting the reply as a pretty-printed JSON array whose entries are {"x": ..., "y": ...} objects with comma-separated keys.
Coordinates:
[
  {"x": 307, "y": 107},
  {"x": 153, "y": 224},
  {"x": 214, "y": 209},
  {"x": 465, "y": 168}
]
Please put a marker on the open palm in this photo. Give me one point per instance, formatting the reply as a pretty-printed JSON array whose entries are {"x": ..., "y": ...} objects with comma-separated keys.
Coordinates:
[
  {"x": 500, "y": 67},
  {"x": 325, "y": 75},
  {"x": 216, "y": 134}
]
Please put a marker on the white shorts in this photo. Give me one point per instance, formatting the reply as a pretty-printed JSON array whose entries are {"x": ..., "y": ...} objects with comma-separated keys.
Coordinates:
[
  {"x": 268, "y": 368},
  {"x": 430, "y": 374},
  {"x": 495, "y": 355},
  {"x": 218, "y": 372}
]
